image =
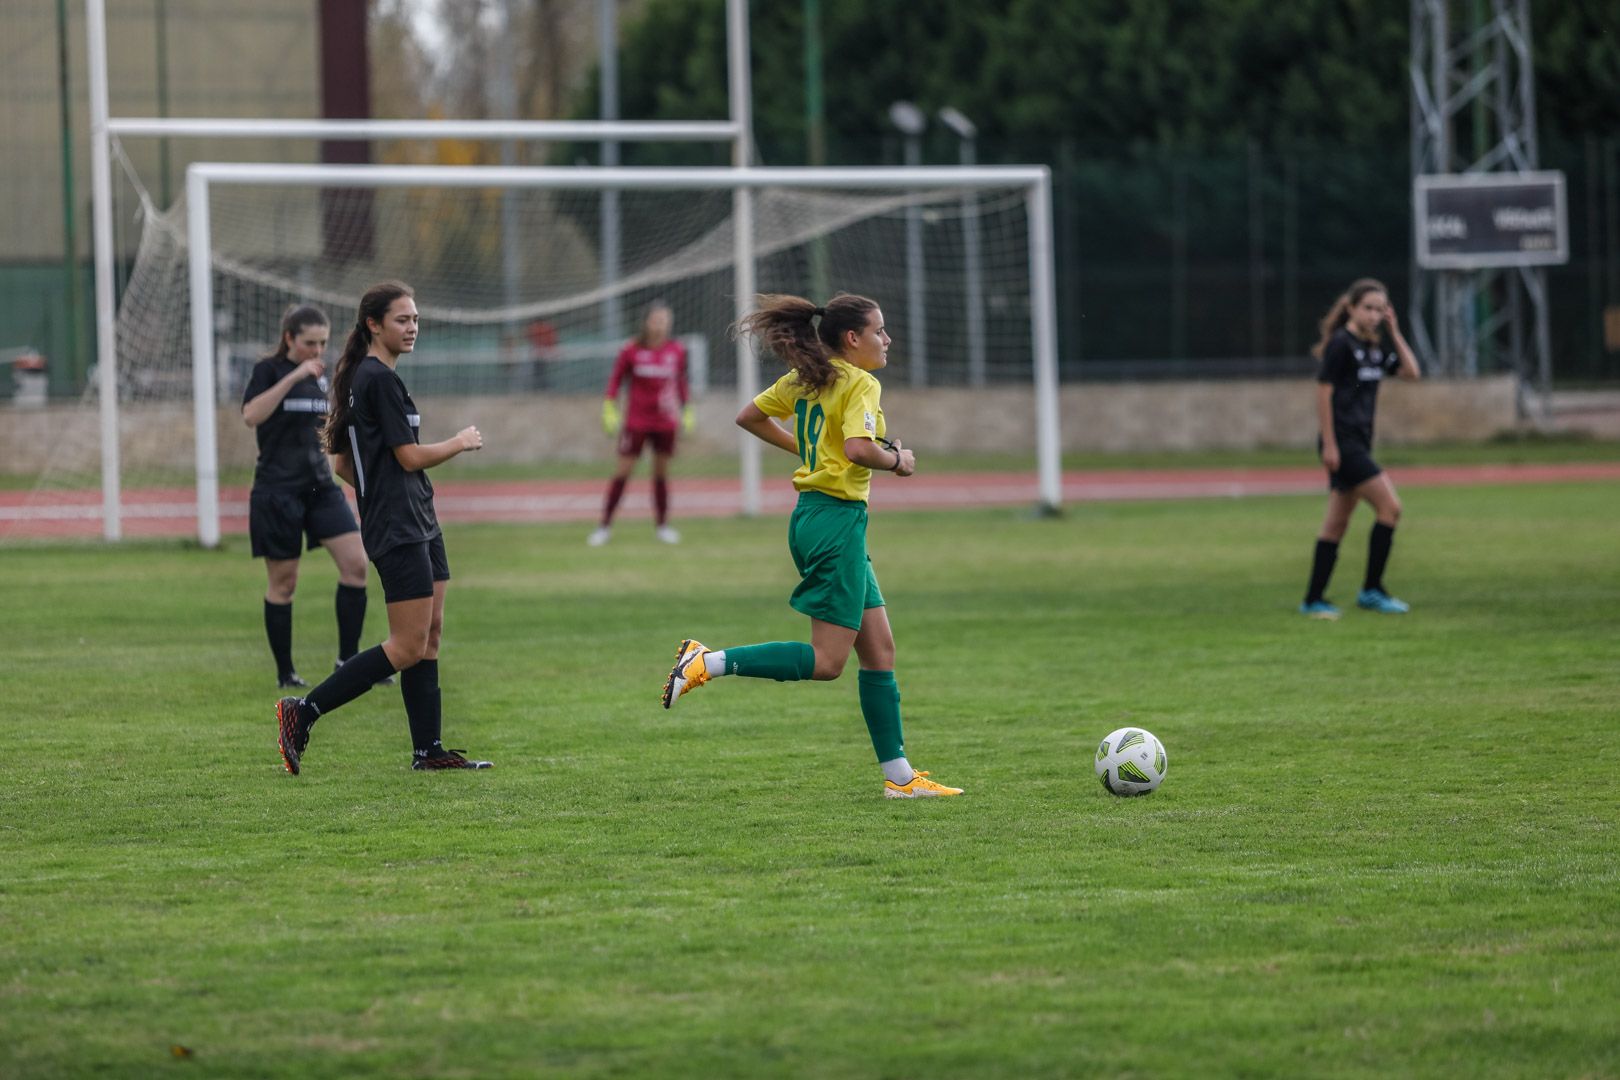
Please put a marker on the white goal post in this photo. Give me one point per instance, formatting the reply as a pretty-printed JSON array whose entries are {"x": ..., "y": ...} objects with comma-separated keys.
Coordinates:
[{"x": 1035, "y": 181}]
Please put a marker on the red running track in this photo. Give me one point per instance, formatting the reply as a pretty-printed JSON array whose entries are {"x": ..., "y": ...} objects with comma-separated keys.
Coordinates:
[{"x": 171, "y": 512}]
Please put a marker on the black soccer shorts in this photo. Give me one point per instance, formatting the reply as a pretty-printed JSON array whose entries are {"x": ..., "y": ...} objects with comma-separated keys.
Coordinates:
[
  {"x": 1356, "y": 467},
  {"x": 277, "y": 517},
  {"x": 408, "y": 571}
]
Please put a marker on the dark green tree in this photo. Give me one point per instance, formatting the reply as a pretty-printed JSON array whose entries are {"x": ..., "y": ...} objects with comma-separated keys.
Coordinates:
[{"x": 1184, "y": 74}]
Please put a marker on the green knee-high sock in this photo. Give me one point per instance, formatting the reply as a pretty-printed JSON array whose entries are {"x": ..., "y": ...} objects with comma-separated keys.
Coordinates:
[
  {"x": 880, "y": 705},
  {"x": 784, "y": 661}
]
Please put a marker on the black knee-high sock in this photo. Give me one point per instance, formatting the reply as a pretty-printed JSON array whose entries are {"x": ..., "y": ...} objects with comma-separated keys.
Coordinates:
[
  {"x": 1378, "y": 545},
  {"x": 437, "y": 701},
  {"x": 615, "y": 492},
  {"x": 278, "y": 628},
  {"x": 1327, "y": 553},
  {"x": 419, "y": 685},
  {"x": 358, "y": 674},
  {"x": 351, "y": 617},
  {"x": 661, "y": 499}
]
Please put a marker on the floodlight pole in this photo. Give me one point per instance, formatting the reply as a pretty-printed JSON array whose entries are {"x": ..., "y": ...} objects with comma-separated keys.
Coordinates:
[
  {"x": 911, "y": 122},
  {"x": 967, "y": 132},
  {"x": 101, "y": 225}
]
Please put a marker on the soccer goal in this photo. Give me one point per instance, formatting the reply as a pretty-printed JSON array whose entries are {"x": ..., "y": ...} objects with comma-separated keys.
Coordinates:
[{"x": 530, "y": 337}]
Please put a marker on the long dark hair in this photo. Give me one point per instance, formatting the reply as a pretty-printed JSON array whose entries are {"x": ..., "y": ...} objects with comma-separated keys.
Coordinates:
[
  {"x": 642, "y": 337},
  {"x": 299, "y": 317},
  {"x": 373, "y": 305},
  {"x": 788, "y": 327},
  {"x": 1339, "y": 313}
]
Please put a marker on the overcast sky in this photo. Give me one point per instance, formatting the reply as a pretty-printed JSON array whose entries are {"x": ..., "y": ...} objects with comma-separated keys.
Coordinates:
[{"x": 426, "y": 25}]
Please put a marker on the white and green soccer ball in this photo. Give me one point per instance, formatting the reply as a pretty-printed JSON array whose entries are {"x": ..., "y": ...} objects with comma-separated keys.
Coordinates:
[{"x": 1131, "y": 761}]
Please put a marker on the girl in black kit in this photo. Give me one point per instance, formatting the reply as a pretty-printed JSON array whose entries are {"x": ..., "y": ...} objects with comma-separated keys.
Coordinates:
[
  {"x": 294, "y": 497},
  {"x": 1354, "y": 360},
  {"x": 372, "y": 435}
]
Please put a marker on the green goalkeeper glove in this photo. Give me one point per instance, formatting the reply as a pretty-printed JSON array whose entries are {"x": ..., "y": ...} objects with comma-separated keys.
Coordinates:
[
  {"x": 610, "y": 416},
  {"x": 688, "y": 418}
]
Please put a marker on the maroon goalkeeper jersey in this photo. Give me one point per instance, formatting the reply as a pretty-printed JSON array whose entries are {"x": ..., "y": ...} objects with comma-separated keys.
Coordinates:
[{"x": 657, "y": 379}]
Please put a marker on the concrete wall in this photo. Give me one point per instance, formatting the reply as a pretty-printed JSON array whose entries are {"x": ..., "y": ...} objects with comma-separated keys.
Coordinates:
[{"x": 1095, "y": 417}]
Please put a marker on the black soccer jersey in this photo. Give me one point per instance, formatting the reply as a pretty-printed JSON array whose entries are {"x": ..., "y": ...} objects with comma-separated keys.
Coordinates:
[
  {"x": 290, "y": 453},
  {"x": 1355, "y": 368},
  {"x": 396, "y": 506}
]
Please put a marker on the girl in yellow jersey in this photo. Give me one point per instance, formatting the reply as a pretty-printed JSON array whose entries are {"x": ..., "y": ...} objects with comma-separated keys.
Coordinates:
[{"x": 830, "y": 401}]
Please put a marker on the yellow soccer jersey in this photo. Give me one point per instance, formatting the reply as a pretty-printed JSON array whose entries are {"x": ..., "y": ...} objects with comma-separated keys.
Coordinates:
[{"x": 848, "y": 409}]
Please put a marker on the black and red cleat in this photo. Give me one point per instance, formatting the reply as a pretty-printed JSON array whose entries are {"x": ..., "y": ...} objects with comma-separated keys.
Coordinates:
[
  {"x": 439, "y": 758},
  {"x": 292, "y": 732}
]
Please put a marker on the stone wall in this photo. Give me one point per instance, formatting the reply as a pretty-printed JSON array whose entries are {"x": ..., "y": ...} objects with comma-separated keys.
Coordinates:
[{"x": 1095, "y": 417}]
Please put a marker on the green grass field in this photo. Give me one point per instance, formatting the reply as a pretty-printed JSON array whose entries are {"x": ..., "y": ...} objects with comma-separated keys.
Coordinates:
[{"x": 1387, "y": 846}]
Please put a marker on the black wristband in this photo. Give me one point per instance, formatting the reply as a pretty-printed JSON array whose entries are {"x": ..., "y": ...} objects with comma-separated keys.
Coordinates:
[{"x": 896, "y": 466}]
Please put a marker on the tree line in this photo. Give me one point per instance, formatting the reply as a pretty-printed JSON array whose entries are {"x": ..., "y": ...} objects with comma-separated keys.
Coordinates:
[{"x": 1189, "y": 75}]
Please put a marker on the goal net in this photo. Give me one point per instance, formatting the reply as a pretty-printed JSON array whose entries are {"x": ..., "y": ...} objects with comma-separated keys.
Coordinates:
[{"x": 529, "y": 282}]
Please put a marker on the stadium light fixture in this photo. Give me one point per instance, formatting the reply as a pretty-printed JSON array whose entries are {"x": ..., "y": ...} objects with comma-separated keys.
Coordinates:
[
  {"x": 952, "y": 118},
  {"x": 911, "y": 120}
]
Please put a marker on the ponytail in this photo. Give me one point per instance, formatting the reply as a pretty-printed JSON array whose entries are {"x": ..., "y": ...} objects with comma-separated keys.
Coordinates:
[
  {"x": 1339, "y": 313},
  {"x": 298, "y": 318},
  {"x": 374, "y": 305},
  {"x": 788, "y": 327}
]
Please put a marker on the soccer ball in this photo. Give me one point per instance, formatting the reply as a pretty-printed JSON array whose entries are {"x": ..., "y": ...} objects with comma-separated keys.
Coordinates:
[{"x": 1131, "y": 761}]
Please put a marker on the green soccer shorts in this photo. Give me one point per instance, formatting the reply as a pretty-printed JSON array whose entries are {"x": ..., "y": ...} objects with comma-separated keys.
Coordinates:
[{"x": 827, "y": 537}]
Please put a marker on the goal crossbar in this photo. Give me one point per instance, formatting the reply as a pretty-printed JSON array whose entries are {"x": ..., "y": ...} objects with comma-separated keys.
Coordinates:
[
  {"x": 1035, "y": 180},
  {"x": 624, "y": 178},
  {"x": 480, "y": 130}
]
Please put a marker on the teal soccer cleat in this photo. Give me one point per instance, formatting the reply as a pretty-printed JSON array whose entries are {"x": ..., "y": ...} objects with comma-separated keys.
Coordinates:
[
  {"x": 1380, "y": 601},
  {"x": 1319, "y": 609}
]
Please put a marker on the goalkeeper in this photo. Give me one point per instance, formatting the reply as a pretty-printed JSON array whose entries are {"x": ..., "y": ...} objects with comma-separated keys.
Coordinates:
[{"x": 654, "y": 365}]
